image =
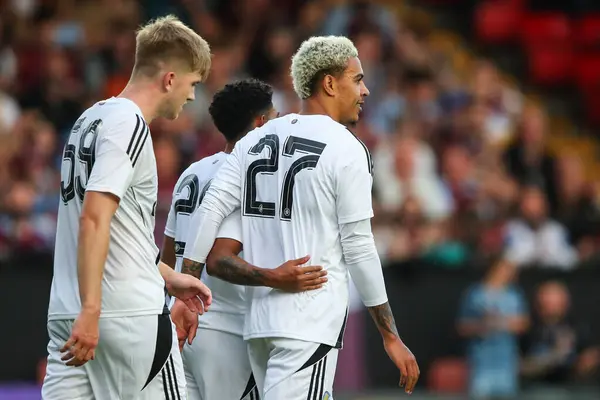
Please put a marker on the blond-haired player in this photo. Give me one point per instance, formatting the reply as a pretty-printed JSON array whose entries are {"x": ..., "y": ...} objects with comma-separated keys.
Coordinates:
[
  {"x": 107, "y": 312},
  {"x": 303, "y": 183}
]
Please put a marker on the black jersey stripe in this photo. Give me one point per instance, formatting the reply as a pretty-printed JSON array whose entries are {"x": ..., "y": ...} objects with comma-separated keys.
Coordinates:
[
  {"x": 135, "y": 134},
  {"x": 312, "y": 382},
  {"x": 367, "y": 153},
  {"x": 137, "y": 151},
  {"x": 172, "y": 363}
]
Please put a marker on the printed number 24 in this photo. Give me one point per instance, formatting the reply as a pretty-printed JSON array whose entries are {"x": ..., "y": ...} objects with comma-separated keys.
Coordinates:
[{"x": 270, "y": 165}]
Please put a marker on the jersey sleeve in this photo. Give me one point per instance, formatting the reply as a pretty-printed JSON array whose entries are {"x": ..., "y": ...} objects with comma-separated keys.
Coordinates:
[
  {"x": 117, "y": 150},
  {"x": 221, "y": 199},
  {"x": 171, "y": 225},
  {"x": 354, "y": 182},
  {"x": 231, "y": 228}
]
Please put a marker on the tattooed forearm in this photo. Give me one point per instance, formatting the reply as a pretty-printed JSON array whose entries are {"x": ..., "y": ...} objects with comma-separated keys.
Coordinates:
[
  {"x": 192, "y": 268},
  {"x": 384, "y": 319},
  {"x": 235, "y": 270}
]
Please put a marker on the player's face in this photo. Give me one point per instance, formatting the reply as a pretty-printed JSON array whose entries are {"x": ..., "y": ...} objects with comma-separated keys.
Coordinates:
[
  {"x": 180, "y": 90},
  {"x": 352, "y": 92}
]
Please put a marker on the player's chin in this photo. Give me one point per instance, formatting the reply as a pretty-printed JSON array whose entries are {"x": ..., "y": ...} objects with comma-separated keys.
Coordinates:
[{"x": 173, "y": 116}]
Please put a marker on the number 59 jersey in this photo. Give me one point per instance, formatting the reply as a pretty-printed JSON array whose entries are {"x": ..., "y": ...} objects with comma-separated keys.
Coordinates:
[
  {"x": 299, "y": 178},
  {"x": 110, "y": 150}
]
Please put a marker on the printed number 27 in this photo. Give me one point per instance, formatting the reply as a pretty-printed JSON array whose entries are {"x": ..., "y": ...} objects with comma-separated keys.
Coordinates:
[{"x": 270, "y": 165}]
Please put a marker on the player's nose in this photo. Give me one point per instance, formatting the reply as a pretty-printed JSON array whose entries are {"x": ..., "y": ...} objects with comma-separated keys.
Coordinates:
[{"x": 364, "y": 92}]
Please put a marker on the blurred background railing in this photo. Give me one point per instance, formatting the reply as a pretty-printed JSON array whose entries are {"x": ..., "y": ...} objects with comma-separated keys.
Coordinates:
[{"x": 483, "y": 124}]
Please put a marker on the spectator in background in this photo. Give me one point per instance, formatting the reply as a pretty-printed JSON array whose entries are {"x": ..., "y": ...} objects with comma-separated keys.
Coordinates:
[
  {"x": 557, "y": 350},
  {"x": 534, "y": 239},
  {"x": 576, "y": 207},
  {"x": 527, "y": 159},
  {"x": 491, "y": 317},
  {"x": 408, "y": 174}
]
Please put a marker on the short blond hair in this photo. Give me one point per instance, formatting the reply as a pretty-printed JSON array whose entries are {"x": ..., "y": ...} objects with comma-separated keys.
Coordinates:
[
  {"x": 166, "y": 39},
  {"x": 318, "y": 55}
]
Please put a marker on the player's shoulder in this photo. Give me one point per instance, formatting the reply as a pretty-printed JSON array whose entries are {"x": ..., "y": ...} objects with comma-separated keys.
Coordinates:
[
  {"x": 350, "y": 150},
  {"x": 121, "y": 119},
  {"x": 205, "y": 164}
]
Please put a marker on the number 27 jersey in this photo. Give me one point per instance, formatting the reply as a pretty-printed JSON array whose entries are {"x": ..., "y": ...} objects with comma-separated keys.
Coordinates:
[{"x": 298, "y": 179}]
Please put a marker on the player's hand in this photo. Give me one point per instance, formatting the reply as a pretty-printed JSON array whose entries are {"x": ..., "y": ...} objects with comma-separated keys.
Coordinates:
[
  {"x": 186, "y": 323},
  {"x": 406, "y": 363},
  {"x": 191, "y": 291},
  {"x": 291, "y": 276},
  {"x": 81, "y": 346}
]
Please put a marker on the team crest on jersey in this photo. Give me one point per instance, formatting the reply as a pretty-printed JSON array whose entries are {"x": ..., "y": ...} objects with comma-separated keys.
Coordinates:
[{"x": 327, "y": 396}]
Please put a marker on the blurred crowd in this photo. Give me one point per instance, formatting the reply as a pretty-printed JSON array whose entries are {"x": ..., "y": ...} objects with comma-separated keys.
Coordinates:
[{"x": 462, "y": 171}]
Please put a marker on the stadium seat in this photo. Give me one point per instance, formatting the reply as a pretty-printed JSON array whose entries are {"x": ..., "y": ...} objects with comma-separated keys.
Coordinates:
[
  {"x": 586, "y": 32},
  {"x": 592, "y": 107},
  {"x": 545, "y": 29},
  {"x": 550, "y": 65},
  {"x": 587, "y": 73},
  {"x": 497, "y": 21},
  {"x": 448, "y": 375}
]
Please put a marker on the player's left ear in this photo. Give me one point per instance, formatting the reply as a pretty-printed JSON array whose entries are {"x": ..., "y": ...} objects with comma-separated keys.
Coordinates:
[{"x": 260, "y": 121}]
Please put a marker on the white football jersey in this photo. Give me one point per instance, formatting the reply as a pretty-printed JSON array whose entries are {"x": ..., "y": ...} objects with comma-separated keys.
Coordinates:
[
  {"x": 110, "y": 150},
  {"x": 299, "y": 178},
  {"x": 229, "y": 301}
]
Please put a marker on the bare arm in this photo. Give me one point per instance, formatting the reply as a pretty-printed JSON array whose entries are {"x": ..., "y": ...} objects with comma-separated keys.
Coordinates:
[
  {"x": 192, "y": 268},
  {"x": 167, "y": 255},
  {"x": 224, "y": 263},
  {"x": 384, "y": 320},
  {"x": 94, "y": 234}
]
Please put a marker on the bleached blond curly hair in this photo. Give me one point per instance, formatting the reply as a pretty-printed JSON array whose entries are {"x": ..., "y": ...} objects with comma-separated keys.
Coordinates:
[{"x": 319, "y": 54}]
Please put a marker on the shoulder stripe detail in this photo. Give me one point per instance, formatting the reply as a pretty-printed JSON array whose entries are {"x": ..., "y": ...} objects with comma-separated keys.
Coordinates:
[
  {"x": 367, "y": 152},
  {"x": 137, "y": 151},
  {"x": 136, "y": 132}
]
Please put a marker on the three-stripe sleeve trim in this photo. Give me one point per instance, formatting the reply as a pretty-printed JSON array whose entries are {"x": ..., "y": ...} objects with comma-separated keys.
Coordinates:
[{"x": 138, "y": 139}]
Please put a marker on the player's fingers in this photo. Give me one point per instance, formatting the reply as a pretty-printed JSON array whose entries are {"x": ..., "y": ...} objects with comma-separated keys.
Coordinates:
[
  {"x": 192, "y": 305},
  {"x": 192, "y": 332},
  {"x": 76, "y": 362},
  {"x": 312, "y": 269},
  {"x": 313, "y": 287},
  {"x": 300, "y": 261},
  {"x": 412, "y": 378},
  {"x": 314, "y": 281},
  {"x": 68, "y": 345},
  {"x": 68, "y": 356},
  {"x": 204, "y": 294},
  {"x": 312, "y": 275},
  {"x": 90, "y": 355},
  {"x": 73, "y": 351},
  {"x": 403, "y": 374},
  {"x": 181, "y": 333},
  {"x": 199, "y": 306},
  {"x": 81, "y": 351}
]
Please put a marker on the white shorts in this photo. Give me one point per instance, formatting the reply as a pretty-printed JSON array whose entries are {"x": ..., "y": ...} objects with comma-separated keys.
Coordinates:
[
  {"x": 292, "y": 369},
  {"x": 217, "y": 367},
  {"x": 132, "y": 357}
]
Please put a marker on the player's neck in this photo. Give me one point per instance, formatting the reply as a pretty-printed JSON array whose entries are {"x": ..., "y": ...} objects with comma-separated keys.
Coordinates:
[
  {"x": 144, "y": 96},
  {"x": 228, "y": 148},
  {"x": 314, "y": 106}
]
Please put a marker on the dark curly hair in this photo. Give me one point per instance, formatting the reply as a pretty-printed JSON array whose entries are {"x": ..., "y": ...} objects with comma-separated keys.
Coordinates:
[{"x": 234, "y": 107}]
